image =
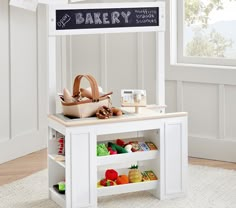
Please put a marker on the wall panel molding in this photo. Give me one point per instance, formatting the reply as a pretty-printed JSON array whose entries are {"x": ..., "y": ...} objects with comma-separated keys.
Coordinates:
[
  {"x": 230, "y": 111},
  {"x": 23, "y": 70},
  {"x": 202, "y": 74},
  {"x": 215, "y": 149},
  {"x": 140, "y": 62},
  {"x": 221, "y": 111},
  {"x": 103, "y": 54},
  {"x": 5, "y": 121},
  {"x": 68, "y": 69},
  {"x": 218, "y": 147},
  {"x": 180, "y": 98}
]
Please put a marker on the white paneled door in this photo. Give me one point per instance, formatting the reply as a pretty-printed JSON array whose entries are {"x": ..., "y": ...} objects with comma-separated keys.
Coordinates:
[{"x": 23, "y": 110}]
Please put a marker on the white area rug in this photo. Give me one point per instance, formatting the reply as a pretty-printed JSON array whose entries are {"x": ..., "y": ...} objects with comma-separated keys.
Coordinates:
[{"x": 208, "y": 188}]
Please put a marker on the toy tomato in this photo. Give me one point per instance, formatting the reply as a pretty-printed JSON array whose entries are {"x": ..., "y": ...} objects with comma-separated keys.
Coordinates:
[{"x": 111, "y": 174}]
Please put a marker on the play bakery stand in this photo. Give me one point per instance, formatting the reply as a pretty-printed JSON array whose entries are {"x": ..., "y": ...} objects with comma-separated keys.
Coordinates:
[{"x": 82, "y": 168}]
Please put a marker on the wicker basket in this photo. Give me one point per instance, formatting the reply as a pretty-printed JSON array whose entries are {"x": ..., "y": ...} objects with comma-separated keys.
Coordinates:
[{"x": 85, "y": 108}]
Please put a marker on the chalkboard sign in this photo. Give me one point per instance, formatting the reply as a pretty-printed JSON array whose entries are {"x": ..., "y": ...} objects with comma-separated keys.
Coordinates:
[{"x": 106, "y": 18}]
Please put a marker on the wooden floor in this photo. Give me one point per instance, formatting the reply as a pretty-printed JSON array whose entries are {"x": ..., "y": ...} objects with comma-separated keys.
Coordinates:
[
  {"x": 23, "y": 166},
  {"x": 212, "y": 163},
  {"x": 37, "y": 161}
]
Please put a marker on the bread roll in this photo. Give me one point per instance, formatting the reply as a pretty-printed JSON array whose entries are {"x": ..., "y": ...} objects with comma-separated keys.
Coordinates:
[{"x": 67, "y": 96}]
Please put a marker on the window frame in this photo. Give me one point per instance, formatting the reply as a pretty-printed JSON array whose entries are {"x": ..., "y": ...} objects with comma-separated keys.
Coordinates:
[{"x": 180, "y": 44}]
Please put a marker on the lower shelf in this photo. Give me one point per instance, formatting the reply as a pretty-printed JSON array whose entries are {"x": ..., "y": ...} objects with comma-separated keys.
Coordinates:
[
  {"x": 60, "y": 199},
  {"x": 53, "y": 157},
  {"x": 126, "y": 188}
]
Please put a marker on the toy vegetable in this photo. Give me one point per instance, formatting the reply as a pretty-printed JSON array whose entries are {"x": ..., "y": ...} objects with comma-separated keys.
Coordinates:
[
  {"x": 111, "y": 174},
  {"x": 112, "y": 152},
  {"x": 120, "y": 142},
  {"x": 102, "y": 150},
  {"x": 105, "y": 182},
  {"x": 134, "y": 175},
  {"x": 128, "y": 148},
  {"x": 117, "y": 148},
  {"x": 122, "y": 179},
  {"x": 62, "y": 186}
]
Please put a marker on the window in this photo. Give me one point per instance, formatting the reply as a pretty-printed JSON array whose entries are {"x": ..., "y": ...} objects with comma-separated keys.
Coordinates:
[{"x": 207, "y": 32}]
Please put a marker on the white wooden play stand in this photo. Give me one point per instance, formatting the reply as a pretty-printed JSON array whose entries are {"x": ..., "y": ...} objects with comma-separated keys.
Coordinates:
[{"x": 82, "y": 169}]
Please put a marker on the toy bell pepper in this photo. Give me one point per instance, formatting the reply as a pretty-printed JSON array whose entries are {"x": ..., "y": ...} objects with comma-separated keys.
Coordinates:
[{"x": 111, "y": 174}]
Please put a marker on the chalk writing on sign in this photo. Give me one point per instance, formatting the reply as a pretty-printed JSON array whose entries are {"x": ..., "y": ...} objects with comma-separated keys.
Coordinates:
[
  {"x": 65, "y": 19},
  {"x": 107, "y": 18},
  {"x": 145, "y": 16},
  {"x": 102, "y": 18}
]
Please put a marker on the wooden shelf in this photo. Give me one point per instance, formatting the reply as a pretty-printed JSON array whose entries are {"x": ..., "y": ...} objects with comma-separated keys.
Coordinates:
[
  {"x": 126, "y": 188},
  {"x": 53, "y": 156},
  {"x": 134, "y": 156}
]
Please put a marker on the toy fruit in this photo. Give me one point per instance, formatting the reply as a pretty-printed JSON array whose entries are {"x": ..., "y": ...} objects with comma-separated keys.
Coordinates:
[
  {"x": 134, "y": 175},
  {"x": 122, "y": 179},
  {"x": 111, "y": 174},
  {"x": 105, "y": 182}
]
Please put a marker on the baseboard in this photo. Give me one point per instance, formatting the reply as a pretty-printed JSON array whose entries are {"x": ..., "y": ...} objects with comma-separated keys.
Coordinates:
[
  {"x": 16, "y": 148},
  {"x": 215, "y": 149}
]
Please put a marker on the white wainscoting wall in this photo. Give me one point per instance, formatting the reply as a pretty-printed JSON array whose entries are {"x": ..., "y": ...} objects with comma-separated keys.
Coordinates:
[
  {"x": 208, "y": 94},
  {"x": 23, "y": 109},
  {"x": 117, "y": 61}
]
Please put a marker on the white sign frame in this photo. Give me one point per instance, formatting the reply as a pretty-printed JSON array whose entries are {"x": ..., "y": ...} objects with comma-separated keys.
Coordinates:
[
  {"x": 53, "y": 8},
  {"x": 30, "y": 5}
]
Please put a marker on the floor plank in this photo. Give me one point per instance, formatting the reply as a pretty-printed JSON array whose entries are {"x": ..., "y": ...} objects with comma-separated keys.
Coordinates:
[
  {"x": 212, "y": 163},
  {"x": 23, "y": 166},
  {"x": 29, "y": 164}
]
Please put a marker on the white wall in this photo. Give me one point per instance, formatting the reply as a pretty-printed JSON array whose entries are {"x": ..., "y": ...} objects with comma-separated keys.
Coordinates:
[
  {"x": 114, "y": 60},
  {"x": 208, "y": 94},
  {"x": 22, "y": 82},
  {"x": 117, "y": 61}
]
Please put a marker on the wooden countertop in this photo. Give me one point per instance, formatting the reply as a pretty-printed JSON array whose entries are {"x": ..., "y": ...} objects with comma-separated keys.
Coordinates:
[{"x": 149, "y": 112}]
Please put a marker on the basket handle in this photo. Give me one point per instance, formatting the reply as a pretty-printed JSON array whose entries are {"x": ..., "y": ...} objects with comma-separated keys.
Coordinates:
[{"x": 93, "y": 85}]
